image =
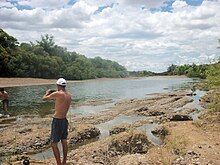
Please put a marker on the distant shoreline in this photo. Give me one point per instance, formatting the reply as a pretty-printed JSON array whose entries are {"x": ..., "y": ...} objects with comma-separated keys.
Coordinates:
[
  {"x": 175, "y": 76},
  {"x": 13, "y": 82}
]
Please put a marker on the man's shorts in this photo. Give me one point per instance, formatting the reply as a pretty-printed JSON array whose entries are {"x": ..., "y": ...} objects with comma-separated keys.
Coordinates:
[
  {"x": 59, "y": 130},
  {"x": 5, "y": 102}
]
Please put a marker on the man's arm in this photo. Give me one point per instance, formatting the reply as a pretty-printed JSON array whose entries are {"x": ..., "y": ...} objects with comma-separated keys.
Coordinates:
[{"x": 49, "y": 96}]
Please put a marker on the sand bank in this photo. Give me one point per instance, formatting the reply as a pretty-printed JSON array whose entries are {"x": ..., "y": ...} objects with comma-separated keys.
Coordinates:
[{"x": 13, "y": 82}]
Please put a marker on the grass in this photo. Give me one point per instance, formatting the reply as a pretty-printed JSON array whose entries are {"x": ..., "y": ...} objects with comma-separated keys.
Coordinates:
[
  {"x": 165, "y": 155},
  {"x": 177, "y": 145}
]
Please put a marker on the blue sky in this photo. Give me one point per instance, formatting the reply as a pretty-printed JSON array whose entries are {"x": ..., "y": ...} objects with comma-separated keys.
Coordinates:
[{"x": 140, "y": 35}]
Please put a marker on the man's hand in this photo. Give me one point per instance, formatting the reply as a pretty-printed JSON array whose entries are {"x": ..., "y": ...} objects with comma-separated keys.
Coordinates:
[
  {"x": 49, "y": 95},
  {"x": 47, "y": 92}
]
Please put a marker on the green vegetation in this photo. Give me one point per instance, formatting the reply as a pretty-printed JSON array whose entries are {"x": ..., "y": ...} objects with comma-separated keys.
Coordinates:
[
  {"x": 213, "y": 82},
  {"x": 45, "y": 59},
  {"x": 141, "y": 73},
  {"x": 188, "y": 70},
  {"x": 213, "y": 75}
]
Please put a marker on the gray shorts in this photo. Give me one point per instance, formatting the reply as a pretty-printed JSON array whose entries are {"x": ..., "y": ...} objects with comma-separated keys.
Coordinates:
[{"x": 59, "y": 130}]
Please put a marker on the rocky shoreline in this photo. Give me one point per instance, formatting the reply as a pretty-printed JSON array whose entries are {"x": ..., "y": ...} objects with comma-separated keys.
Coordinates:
[{"x": 26, "y": 135}]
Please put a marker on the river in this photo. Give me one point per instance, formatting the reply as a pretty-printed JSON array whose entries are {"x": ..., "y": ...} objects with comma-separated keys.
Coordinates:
[{"x": 27, "y": 99}]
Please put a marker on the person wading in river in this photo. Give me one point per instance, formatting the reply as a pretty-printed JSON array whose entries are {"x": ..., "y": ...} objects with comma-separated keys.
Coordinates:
[
  {"x": 4, "y": 97},
  {"x": 59, "y": 127}
]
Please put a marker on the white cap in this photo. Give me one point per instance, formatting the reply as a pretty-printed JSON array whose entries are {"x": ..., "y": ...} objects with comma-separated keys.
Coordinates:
[{"x": 61, "y": 82}]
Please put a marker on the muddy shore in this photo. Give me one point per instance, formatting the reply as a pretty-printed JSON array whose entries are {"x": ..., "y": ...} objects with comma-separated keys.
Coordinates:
[{"x": 184, "y": 140}]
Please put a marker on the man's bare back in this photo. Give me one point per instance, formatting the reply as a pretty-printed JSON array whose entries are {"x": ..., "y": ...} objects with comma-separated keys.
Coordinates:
[{"x": 62, "y": 102}]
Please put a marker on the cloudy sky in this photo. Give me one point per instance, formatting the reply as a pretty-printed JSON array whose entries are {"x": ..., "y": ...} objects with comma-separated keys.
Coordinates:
[{"x": 139, "y": 34}]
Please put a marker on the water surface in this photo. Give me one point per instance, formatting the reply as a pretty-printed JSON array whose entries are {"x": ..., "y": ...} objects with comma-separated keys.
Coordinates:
[{"x": 28, "y": 100}]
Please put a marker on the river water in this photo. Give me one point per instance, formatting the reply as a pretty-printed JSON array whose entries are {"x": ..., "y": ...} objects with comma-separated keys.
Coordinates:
[{"x": 28, "y": 99}]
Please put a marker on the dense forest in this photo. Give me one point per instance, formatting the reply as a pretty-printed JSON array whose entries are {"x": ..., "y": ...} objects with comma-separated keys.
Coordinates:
[
  {"x": 45, "y": 59},
  {"x": 192, "y": 70}
]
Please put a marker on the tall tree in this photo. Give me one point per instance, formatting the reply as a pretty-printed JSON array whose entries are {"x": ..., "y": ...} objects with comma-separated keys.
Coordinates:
[
  {"x": 47, "y": 43},
  {"x": 7, "y": 46}
]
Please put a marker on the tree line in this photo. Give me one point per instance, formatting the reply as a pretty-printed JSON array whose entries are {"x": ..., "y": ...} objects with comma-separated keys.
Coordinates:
[
  {"x": 45, "y": 59},
  {"x": 186, "y": 69}
]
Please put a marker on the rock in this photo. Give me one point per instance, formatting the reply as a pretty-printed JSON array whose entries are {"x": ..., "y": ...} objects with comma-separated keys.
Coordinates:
[
  {"x": 141, "y": 109},
  {"x": 156, "y": 113},
  {"x": 189, "y": 110},
  {"x": 181, "y": 102},
  {"x": 160, "y": 131},
  {"x": 83, "y": 132},
  {"x": 119, "y": 128},
  {"x": 134, "y": 141},
  {"x": 179, "y": 117},
  {"x": 5, "y": 125},
  {"x": 151, "y": 121},
  {"x": 25, "y": 130},
  {"x": 7, "y": 120},
  {"x": 133, "y": 159}
]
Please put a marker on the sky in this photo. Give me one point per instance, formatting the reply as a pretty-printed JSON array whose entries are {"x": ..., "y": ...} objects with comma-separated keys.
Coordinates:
[{"x": 138, "y": 34}]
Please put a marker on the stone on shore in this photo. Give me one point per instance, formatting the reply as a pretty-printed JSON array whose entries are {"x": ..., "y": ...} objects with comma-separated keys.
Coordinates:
[
  {"x": 179, "y": 117},
  {"x": 133, "y": 159},
  {"x": 119, "y": 128},
  {"x": 82, "y": 132},
  {"x": 134, "y": 141},
  {"x": 160, "y": 131},
  {"x": 110, "y": 149}
]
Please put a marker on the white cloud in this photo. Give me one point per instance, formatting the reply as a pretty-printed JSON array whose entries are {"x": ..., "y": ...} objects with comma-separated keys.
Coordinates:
[
  {"x": 144, "y": 3},
  {"x": 124, "y": 32},
  {"x": 44, "y": 4},
  {"x": 5, "y": 4}
]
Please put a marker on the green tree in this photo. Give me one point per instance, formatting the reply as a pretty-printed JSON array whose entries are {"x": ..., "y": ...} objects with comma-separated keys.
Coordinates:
[
  {"x": 47, "y": 43},
  {"x": 8, "y": 44},
  {"x": 171, "y": 69},
  {"x": 45, "y": 59}
]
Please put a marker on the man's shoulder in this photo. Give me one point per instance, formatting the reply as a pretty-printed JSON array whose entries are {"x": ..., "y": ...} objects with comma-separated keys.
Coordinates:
[{"x": 63, "y": 93}]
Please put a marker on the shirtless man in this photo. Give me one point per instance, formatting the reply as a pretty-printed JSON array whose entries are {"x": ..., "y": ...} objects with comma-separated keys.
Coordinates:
[
  {"x": 60, "y": 123},
  {"x": 4, "y": 98}
]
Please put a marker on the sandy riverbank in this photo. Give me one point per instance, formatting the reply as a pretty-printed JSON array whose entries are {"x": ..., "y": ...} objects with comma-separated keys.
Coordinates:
[{"x": 13, "y": 82}]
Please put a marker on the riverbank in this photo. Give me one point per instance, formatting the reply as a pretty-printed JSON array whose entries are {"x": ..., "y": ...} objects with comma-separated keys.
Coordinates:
[
  {"x": 185, "y": 140},
  {"x": 13, "y": 82}
]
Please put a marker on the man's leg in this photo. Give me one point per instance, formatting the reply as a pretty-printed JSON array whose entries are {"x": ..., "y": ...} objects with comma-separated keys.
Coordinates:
[
  {"x": 56, "y": 153},
  {"x": 65, "y": 149},
  {"x": 5, "y": 105}
]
